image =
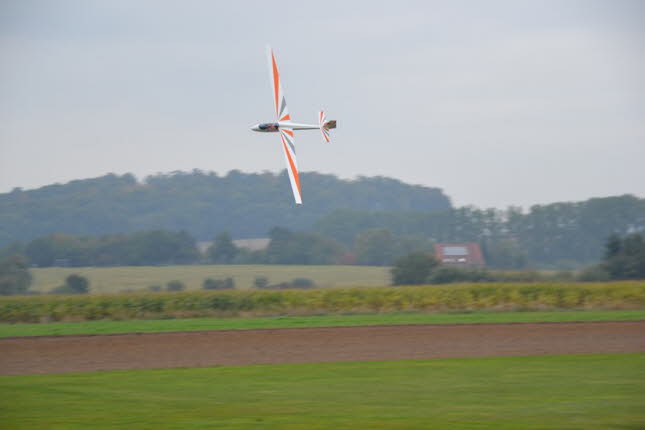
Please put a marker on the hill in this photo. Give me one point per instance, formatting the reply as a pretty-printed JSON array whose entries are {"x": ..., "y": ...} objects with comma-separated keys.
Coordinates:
[{"x": 201, "y": 203}]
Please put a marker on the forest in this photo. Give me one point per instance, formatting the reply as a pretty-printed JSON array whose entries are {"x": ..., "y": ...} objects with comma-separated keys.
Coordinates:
[
  {"x": 116, "y": 220},
  {"x": 558, "y": 235},
  {"x": 246, "y": 205}
]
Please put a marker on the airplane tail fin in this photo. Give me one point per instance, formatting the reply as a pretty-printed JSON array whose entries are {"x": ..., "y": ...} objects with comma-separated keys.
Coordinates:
[{"x": 325, "y": 126}]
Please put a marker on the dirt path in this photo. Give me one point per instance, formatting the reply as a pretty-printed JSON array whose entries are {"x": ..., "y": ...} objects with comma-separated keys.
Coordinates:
[{"x": 19, "y": 356}]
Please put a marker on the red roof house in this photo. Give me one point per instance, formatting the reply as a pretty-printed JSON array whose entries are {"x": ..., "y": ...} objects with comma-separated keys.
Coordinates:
[{"x": 459, "y": 254}]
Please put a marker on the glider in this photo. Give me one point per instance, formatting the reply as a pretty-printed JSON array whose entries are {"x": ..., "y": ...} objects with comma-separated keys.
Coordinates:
[{"x": 285, "y": 127}]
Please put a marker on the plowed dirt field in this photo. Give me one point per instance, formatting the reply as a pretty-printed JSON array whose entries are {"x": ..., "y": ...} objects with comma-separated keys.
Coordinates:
[{"x": 62, "y": 354}]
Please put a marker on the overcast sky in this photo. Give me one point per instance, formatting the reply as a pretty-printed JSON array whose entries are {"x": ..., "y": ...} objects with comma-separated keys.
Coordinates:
[{"x": 498, "y": 102}]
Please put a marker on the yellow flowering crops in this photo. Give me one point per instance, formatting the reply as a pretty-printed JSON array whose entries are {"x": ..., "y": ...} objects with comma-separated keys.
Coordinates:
[{"x": 445, "y": 298}]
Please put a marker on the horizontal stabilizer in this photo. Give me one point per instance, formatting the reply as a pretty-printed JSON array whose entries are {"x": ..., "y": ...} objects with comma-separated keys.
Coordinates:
[{"x": 325, "y": 126}]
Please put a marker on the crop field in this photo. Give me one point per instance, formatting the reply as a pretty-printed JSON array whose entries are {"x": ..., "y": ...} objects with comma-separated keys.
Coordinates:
[
  {"x": 117, "y": 279},
  {"x": 546, "y": 392},
  {"x": 445, "y": 298},
  {"x": 592, "y": 391}
]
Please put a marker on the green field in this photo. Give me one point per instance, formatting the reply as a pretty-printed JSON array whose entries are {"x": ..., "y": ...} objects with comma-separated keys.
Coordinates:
[
  {"x": 193, "y": 324},
  {"x": 546, "y": 392},
  {"x": 116, "y": 279}
]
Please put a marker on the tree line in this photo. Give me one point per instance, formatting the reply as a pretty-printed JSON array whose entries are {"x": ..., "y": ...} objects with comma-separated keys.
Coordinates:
[
  {"x": 136, "y": 249},
  {"x": 377, "y": 247},
  {"x": 561, "y": 236},
  {"x": 564, "y": 235},
  {"x": 117, "y": 220},
  {"x": 246, "y": 205},
  {"x": 158, "y": 247},
  {"x": 624, "y": 258}
]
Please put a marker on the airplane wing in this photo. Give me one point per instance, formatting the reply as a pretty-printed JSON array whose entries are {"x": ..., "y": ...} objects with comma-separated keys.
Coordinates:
[
  {"x": 281, "y": 111},
  {"x": 289, "y": 148},
  {"x": 286, "y": 134}
]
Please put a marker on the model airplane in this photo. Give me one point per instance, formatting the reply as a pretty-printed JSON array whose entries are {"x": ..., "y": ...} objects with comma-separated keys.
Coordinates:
[{"x": 285, "y": 127}]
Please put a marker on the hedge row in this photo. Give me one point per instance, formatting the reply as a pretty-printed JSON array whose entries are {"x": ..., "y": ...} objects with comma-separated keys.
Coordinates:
[{"x": 465, "y": 297}]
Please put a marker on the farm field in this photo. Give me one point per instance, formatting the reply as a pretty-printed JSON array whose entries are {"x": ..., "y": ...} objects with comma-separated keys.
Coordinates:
[
  {"x": 116, "y": 279},
  {"x": 546, "y": 392},
  {"x": 68, "y": 354},
  {"x": 407, "y": 318},
  {"x": 495, "y": 297}
]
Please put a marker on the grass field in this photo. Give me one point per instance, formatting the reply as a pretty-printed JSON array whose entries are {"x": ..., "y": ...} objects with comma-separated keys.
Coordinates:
[
  {"x": 546, "y": 392},
  {"x": 116, "y": 279},
  {"x": 157, "y": 326}
]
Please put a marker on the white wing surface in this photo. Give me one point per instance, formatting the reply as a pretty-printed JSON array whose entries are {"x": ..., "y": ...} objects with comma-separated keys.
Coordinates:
[
  {"x": 286, "y": 134},
  {"x": 281, "y": 111},
  {"x": 289, "y": 148}
]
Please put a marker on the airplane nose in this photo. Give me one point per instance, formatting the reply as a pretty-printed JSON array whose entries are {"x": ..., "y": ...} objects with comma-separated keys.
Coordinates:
[{"x": 256, "y": 127}]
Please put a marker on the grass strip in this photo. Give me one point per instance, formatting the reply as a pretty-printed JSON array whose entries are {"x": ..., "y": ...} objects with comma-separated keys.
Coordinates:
[
  {"x": 192, "y": 324},
  {"x": 546, "y": 392}
]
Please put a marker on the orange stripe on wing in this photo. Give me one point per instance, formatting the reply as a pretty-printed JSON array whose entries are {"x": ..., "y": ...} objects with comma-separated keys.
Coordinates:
[
  {"x": 276, "y": 82},
  {"x": 289, "y": 132},
  {"x": 286, "y": 117},
  {"x": 292, "y": 166}
]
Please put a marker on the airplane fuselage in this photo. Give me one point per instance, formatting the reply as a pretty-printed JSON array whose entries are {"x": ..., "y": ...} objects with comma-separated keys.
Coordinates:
[{"x": 273, "y": 127}]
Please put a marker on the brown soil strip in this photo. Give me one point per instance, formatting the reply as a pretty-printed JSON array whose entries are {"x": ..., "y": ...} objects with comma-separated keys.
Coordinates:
[{"x": 20, "y": 356}]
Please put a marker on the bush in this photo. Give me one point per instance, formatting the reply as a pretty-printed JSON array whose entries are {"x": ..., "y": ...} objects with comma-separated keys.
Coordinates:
[
  {"x": 420, "y": 268},
  {"x": 447, "y": 274},
  {"x": 154, "y": 288},
  {"x": 279, "y": 286},
  {"x": 413, "y": 269},
  {"x": 297, "y": 283},
  {"x": 218, "y": 284},
  {"x": 175, "y": 286},
  {"x": 303, "y": 283},
  {"x": 212, "y": 284},
  {"x": 74, "y": 284},
  {"x": 261, "y": 282},
  {"x": 596, "y": 273}
]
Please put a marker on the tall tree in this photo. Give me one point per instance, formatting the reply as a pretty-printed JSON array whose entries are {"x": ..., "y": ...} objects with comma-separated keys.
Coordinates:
[
  {"x": 287, "y": 247},
  {"x": 375, "y": 247},
  {"x": 625, "y": 260},
  {"x": 612, "y": 247},
  {"x": 15, "y": 277},
  {"x": 223, "y": 250}
]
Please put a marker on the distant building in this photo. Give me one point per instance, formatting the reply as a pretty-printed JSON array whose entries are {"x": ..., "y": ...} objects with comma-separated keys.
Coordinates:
[
  {"x": 459, "y": 254},
  {"x": 258, "y": 244}
]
